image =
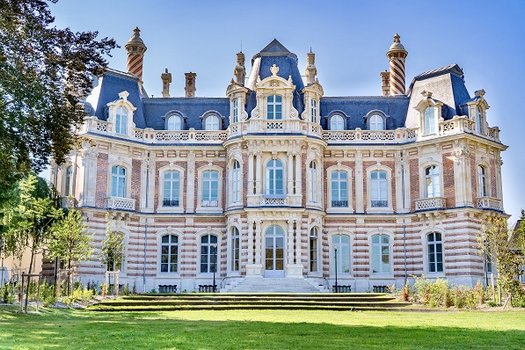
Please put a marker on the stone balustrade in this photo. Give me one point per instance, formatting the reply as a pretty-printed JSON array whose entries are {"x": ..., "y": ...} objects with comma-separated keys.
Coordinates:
[
  {"x": 120, "y": 203},
  {"x": 489, "y": 203},
  {"x": 431, "y": 203}
]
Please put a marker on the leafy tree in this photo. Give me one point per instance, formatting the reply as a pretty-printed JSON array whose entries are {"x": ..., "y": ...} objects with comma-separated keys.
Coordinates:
[
  {"x": 69, "y": 240},
  {"x": 113, "y": 250},
  {"x": 28, "y": 222},
  {"x": 496, "y": 242},
  {"x": 45, "y": 73}
]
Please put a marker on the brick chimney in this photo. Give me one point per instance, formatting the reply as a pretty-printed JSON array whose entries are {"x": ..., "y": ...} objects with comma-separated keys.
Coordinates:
[
  {"x": 385, "y": 83},
  {"x": 166, "y": 80},
  {"x": 190, "y": 84}
]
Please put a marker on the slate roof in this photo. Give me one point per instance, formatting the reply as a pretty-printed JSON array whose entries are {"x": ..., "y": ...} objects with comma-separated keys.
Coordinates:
[{"x": 151, "y": 112}]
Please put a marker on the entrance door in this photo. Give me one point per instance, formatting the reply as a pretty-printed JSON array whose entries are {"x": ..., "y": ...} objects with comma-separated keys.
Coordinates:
[{"x": 274, "y": 252}]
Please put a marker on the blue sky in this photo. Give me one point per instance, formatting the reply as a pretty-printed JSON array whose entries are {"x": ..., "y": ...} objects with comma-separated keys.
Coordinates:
[{"x": 350, "y": 39}]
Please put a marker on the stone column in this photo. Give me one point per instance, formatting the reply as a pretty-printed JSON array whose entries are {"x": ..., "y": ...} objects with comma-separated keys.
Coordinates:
[
  {"x": 290, "y": 178},
  {"x": 258, "y": 173},
  {"x": 254, "y": 269},
  {"x": 298, "y": 177},
  {"x": 250, "y": 173}
]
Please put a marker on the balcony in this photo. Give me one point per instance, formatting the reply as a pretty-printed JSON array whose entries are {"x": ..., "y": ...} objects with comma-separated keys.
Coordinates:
[
  {"x": 120, "y": 203},
  {"x": 400, "y": 135},
  {"x": 489, "y": 203},
  {"x": 431, "y": 203}
]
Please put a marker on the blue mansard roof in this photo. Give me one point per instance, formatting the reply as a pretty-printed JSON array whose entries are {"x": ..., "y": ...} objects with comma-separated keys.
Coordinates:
[{"x": 447, "y": 85}]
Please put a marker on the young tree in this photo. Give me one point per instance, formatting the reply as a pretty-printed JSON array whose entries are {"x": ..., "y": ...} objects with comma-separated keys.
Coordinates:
[
  {"x": 113, "y": 250},
  {"x": 45, "y": 73},
  {"x": 495, "y": 241},
  {"x": 69, "y": 240},
  {"x": 28, "y": 222}
]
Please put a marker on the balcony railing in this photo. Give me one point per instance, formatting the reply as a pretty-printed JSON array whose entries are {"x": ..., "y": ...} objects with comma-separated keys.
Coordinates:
[
  {"x": 120, "y": 203},
  {"x": 400, "y": 135},
  {"x": 460, "y": 124},
  {"x": 489, "y": 203},
  {"x": 339, "y": 204},
  {"x": 431, "y": 203},
  {"x": 170, "y": 202}
]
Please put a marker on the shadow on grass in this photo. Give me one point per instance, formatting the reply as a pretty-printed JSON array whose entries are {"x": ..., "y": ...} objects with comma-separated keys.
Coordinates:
[{"x": 83, "y": 330}]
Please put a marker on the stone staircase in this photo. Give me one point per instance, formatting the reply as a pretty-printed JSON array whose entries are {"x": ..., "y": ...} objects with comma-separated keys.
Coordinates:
[
  {"x": 254, "y": 301},
  {"x": 271, "y": 285}
]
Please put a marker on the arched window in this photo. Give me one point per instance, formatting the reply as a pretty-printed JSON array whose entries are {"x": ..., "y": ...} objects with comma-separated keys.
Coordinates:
[
  {"x": 314, "y": 249},
  {"x": 208, "y": 254},
  {"x": 236, "y": 182},
  {"x": 380, "y": 254},
  {"x": 341, "y": 247},
  {"x": 376, "y": 122},
  {"x": 313, "y": 110},
  {"x": 312, "y": 183},
  {"x": 483, "y": 190},
  {"x": 337, "y": 122},
  {"x": 169, "y": 255},
  {"x": 171, "y": 196},
  {"x": 378, "y": 189},
  {"x": 274, "y": 178},
  {"x": 235, "y": 249},
  {"x": 121, "y": 121},
  {"x": 212, "y": 123},
  {"x": 479, "y": 121},
  {"x": 174, "y": 123},
  {"x": 68, "y": 181},
  {"x": 339, "y": 184},
  {"x": 118, "y": 181},
  {"x": 435, "y": 252},
  {"x": 274, "y": 107},
  {"x": 210, "y": 189},
  {"x": 430, "y": 120},
  {"x": 432, "y": 182}
]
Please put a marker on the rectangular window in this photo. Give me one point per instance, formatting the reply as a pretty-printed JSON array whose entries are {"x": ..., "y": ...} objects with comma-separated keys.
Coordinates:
[
  {"x": 210, "y": 189},
  {"x": 235, "y": 114},
  {"x": 378, "y": 189},
  {"x": 339, "y": 189},
  {"x": 171, "y": 189}
]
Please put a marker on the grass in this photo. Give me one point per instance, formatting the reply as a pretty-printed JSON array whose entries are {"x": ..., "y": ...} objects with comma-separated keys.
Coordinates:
[{"x": 265, "y": 329}]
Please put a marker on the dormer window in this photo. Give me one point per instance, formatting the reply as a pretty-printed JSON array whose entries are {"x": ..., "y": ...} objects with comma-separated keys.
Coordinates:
[
  {"x": 337, "y": 122},
  {"x": 174, "y": 123},
  {"x": 235, "y": 113},
  {"x": 274, "y": 107},
  {"x": 376, "y": 122},
  {"x": 313, "y": 110},
  {"x": 479, "y": 120},
  {"x": 212, "y": 123},
  {"x": 121, "y": 121},
  {"x": 430, "y": 120}
]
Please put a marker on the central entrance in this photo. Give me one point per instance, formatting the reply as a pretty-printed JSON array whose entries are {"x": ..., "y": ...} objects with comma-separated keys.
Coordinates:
[{"x": 274, "y": 252}]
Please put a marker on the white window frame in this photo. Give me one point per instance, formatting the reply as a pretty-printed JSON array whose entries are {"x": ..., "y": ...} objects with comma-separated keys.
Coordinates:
[
  {"x": 169, "y": 245},
  {"x": 313, "y": 250},
  {"x": 235, "y": 110},
  {"x": 340, "y": 181},
  {"x": 209, "y": 178},
  {"x": 116, "y": 188},
  {"x": 379, "y": 189},
  {"x": 235, "y": 250},
  {"x": 212, "y": 123},
  {"x": 429, "y": 120},
  {"x": 483, "y": 183},
  {"x": 207, "y": 207},
  {"x": 340, "y": 254},
  {"x": 435, "y": 254},
  {"x": 174, "y": 122},
  {"x": 376, "y": 122},
  {"x": 313, "y": 193},
  {"x": 171, "y": 180},
  {"x": 272, "y": 104},
  {"x": 236, "y": 182},
  {"x": 121, "y": 120},
  {"x": 272, "y": 181},
  {"x": 432, "y": 181},
  {"x": 378, "y": 252},
  {"x": 208, "y": 255},
  {"x": 329, "y": 185},
  {"x": 313, "y": 110},
  {"x": 337, "y": 122}
]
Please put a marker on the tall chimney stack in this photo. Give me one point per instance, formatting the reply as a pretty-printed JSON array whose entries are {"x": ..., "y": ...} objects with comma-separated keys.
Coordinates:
[
  {"x": 166, "y": 80},
  {"x": 396, "y": 55},
  {"x": 135, "y": 48},
  {"x": 190, "y": 84},
  {"x": 385, "y": 83}
]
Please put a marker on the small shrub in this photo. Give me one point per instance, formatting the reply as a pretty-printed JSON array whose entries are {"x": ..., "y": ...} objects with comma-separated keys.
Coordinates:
[
  {"x": 47, "y": 294},
  {"x": 8, "y": 293},
  {"x": 125, "y": 290}
]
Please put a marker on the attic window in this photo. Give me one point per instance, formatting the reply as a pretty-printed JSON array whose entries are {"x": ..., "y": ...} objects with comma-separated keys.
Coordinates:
[
  {"x": 430, "y": 120},
  {"x": 212, "y": 123},
  {"x": 121, "y": 121},
  {"x": 274, "y": 107},
  {"x": 174, "y": 123},
  {"x": 376, "y": 122},
  {"x": 337, "y": 122},
  {"x": 479, "y": 120}
]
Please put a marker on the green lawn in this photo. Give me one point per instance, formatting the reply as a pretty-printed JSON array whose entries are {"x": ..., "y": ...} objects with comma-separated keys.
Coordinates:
[{"x": 268, "y": 329}]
